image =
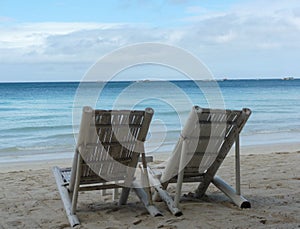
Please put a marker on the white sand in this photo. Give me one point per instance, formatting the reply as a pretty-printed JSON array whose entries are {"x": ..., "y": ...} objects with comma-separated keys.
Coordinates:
[{"x": 271, "y": 181}]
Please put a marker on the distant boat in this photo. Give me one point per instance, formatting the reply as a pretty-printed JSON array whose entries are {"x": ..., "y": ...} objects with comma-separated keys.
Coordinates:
[
  {"x": 224, "y": 79},
  {"x": 288, "y": 78},
  {"x": 142, "y": 81}
]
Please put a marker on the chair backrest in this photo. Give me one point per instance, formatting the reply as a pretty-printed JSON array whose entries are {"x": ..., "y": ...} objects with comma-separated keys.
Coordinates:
[
  {"x": 208, "y": 134},
  {"x": 215, "y": 134},
  {"x": 110, "y": 141}
]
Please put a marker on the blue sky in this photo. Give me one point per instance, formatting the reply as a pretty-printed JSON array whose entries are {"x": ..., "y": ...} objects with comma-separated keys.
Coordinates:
[
  {"x": 60, "y": 39},
  {"x": 114, "y": 11}
]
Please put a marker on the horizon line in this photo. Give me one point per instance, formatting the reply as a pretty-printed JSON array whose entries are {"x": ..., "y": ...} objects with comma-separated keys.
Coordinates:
[{"x": 148, "y": 80}]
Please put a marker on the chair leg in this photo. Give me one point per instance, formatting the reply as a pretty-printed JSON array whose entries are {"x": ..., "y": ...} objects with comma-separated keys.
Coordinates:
[
  {"x": 128, "y": 182},
  {"x": 74, "y": 194},
  {"x": 124, "y": 196},
  {"x": 180, "y": 174},
  {"x": 73, "y": 171},
  {"x": 237, "y": 166},
  {"x": 238, "y": 199},
  {"x": 163, "y": 194},
  {"x": 65, "y": 197},
  {"x": 145, "y": 176},
  {"x": 143, "y": 196}
]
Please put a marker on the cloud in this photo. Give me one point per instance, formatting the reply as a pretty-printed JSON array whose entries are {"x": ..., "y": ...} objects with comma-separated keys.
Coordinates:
[
  {"x": 75, "y": 42},
  {"x": 22, "y": 35},
  {"x": 38, "y": 42},
  {"x": 227, "y": 37},
  {"x": 272, "y": 23}
]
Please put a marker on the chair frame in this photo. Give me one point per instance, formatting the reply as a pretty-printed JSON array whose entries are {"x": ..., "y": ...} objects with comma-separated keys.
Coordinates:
[
  {"x": 233, "y": 129},
  {"x": 83, "y": 176}
]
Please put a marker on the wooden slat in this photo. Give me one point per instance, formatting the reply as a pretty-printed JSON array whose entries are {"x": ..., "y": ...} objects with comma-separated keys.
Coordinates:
[
  {"x": 108, "y": 112},
  {"x": 101, "y": 187}
]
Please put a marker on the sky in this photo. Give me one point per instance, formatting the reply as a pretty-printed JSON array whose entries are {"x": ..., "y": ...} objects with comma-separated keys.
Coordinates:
[{"x": 59, "y": 40}]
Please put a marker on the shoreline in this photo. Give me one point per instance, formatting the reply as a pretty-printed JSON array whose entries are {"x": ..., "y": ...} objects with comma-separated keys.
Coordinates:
[{"x": 42, "y": 162}]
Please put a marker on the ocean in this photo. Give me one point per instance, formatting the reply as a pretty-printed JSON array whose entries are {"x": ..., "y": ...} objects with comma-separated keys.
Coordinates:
[{"x": 39, "y": 121}]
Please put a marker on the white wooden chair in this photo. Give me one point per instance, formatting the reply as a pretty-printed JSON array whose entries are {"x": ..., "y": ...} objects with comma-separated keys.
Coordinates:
[
  {"x": 205, "y": 141},
  {"x": 109, "y": 146}
]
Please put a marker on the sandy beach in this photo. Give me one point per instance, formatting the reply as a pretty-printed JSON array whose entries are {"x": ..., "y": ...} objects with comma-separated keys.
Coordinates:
[
  {"x": 271, "y": 181},
  {"x": 217, "y": 82}
]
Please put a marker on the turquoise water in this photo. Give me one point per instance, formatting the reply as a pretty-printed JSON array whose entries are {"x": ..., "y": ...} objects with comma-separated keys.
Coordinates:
[{"x": 36, "y": 119}]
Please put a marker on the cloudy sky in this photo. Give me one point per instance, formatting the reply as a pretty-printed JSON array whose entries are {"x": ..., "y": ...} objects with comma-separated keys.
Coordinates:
[{"x": 58, "y": 40}]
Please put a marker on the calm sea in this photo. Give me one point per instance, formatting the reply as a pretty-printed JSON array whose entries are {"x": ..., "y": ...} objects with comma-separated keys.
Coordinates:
[{"x": 36, "y": 119}]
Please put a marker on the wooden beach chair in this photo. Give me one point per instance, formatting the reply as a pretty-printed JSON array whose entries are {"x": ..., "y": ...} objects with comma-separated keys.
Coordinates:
[
  {"x": 109, "y": 146},
  {"x": 205, "y": 141}
]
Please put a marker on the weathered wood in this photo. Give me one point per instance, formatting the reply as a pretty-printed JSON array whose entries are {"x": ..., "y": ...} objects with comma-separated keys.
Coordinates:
[
  {"x": 128, "y": 180},
  {"x": 124, "y": 196},
  {"x": 180, "y": 174},
  {"x": 143, "y": 196},
  {"x": 76, "y": 185},
  {"x": 229, "y": 141},
  {"x": 237, "y": 166},
  {"x": 73, "y": 171},
  {"x": 107, "y": 112},
  {"x": 106, "y": 156},
  {"x": 146, "y": 123},
  {"x": 146, "y": 178},
  {"x": 83, "y": 132},
  {"x": 101, "y": 187},
  {"x": 205, "y": 141},
  {"x": 239, "y": 200},
  {"x": 164, "y": 195},
  {"x": 65, "y": 197},
  {"x": 137, "y": 148}
]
